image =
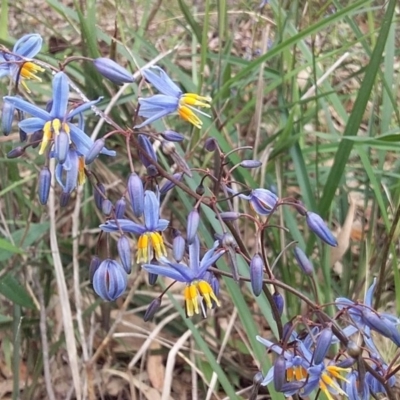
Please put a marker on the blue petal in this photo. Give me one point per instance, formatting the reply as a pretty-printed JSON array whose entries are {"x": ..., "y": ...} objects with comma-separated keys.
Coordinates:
[
  {"x": 369, "y": 294},
  {"x": 126, "y": 225},
  {"x": 156, "y": 103},
  {"x": 194, "y": 255},
  {"x": 155, "y": 117},
  {"x": 29, "y": 45},
  {"x": 72, "y": 175},
  {"x": 83, "y": 107},
  {"x": 162, "y": 82},
  {"x": 110, "y": 280},
  {"x": 28, "y": 107},
  {"x": 60, "y": 95},
  {"x": 58, "y": 174},
  {"x": 173, "y": 273},
  {"x": 204, "y": 265},
  {"x": 151, "y": 210},
  {"x": 162, "y": 225},
  {"x": 31, "y": 125}
]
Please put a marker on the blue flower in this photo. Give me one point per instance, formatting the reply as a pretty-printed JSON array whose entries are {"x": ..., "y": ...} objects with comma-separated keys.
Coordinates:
[
  {"x": 171, "y": 100},
  {"x": 57, "y": 121},
  {"x": 194, "y": 275},
  {"x": 15, "y": 63},
  {"x": 72, "y": 172},
  {"x": 150, "y": 240}
]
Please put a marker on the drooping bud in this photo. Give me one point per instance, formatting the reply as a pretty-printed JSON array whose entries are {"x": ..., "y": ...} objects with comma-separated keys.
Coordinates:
[
  {"x": 64, "y": 199},
  {"x": 110, "y": 280},
  {"x": 36, "y": 138},
  {"x": 112, "y": 71},
  {"x": 61, "y": 146},
  {"x": 210, "y": 144},
  {"x": 353, "y": 349},
  {"x": 169, "y": 149},
  {"x": 94, "y": 264},
  {"x": 120, "y": 207},
  {"x": 7, "y": 118},
  {"x": 279, "y": 373},
  {"x": 304, "y": 262},
  {"x": 346, "y": 363},
  {"x": 148, "y": 149},
  {"x": 99, "y": 193},
  {"x": 15, "y": 153},
  {"x": 263, "y": 201},
  {"x": 192, "y": 225},
  {"x": 287, "y": 331},
  {"x": 153, "y": 307},
  {"x": 229, "y": 215},
  {"x": 172, "y": 136},
  {"x": 168, "y": 185},
  {"x": 299, "y": 207},
  {"x": 279, "y": 302},
  {"x": 22, "y": 135},
  {"x": 124, "y": 252},
  {"x": 324, "y": 341},
  {"x": 178, "y": 247},
  {"x": 152, "y": 278},
  {"x": 95, "y": 150},
  {"x": 256, "y": 274},
  {"x": 200, "y": 190},
  {"x": 106, "y": 207},
  {"x": 249, "y": 164},
  {"x": 136, "y": 194},
  {"x": 318, "y": 226},
  {"x": 44, "y": 185}
]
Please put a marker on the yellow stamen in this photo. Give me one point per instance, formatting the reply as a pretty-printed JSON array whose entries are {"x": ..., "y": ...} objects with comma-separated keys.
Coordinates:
[
  {"x": 158, "y": 244},
  {"x": 193, "y": 99},
  {"x": 29, "y": 69},
  {"x": 290, "y": 374},
  {"x": 81, "y": 171},
  {"x": 143, "y": 249},
  {"x": 56, "y": 125},
  {"x": 207, "y": 292},
  {"x": 191, "y": 302},
  {"x": 335, "y": 371},
  {"x": 324, "y": 388},
  {"x": 328, "y": 381},
  {"x": 148, "y": 243},
  {"x": 47, "y": 136},
  {"x": 300, "y": 372},
  {"x": 188, "y": 115}
]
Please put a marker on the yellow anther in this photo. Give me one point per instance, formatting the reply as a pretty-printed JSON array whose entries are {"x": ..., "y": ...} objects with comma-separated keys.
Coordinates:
[
  {"x": 207, "y": 292},
  {"x": 191, "y": 301},
  {"x": 188, "y": 115},
  {"x": 157, "y": 242},
  {"x": 47, "y": 136},
  {"x": 193, "y": 99},
  {"x": 143, "y": 249}
]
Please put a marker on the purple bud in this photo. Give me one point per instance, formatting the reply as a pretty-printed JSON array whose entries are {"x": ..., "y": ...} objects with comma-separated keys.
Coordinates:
[
  {"x": 152, "y": 170},
  {"x": 192, "y": 225},
  {"x": 279, "y": 373},
  {"x": 7, "y": 118},
  {"x": 293, "y": 386},
  {"x": 263, "y": 201},
  {"x": 120, "y": 207},
  {"x": 153, "y": 307},
  {"x": 61, "y": 146},
  {"x": 124, "y": 252},
  {"x": 106, "y": 207},
  {"x": 94, "y": 264},
  {"x": 168, "y": 185},
  {"x": 287, "y": 331},
  {"x": 64, "y": 199},
  {"x": 99, "y": 193},
  {"x": 229, "y": 215},
  {"x": 147, "y": 149},
  {"x": 178, "y": 248},
  {"x": 318, "y": 226},
  {"x": 250, "y": 164},
  {"x": 279, "y": 302},
  {"x": 200, "y": 190},
  {"x": 346, "y": 363},
  {"x": 136, "y": 194},
  {"x": 324, "y": 341},
  {"x": 112, "y": 71},
  {"x": 22, "y": 135},
  {"x": 110, "y": 280},
  {"x": 172, "y": 136},
  {"x": 375, "y": 322},
  {"x": 44, "y": 185},
  {"x": 152, "y": 278},
  {"x": 256, "y": 274},
  {"x": 36, "y": 138},
  {"x": 94, "y": 151},
  {"x": 214, "y": 282},
  {"x": 15, "y": 153},
  {"x": 210, "y": 144},
  {"x": 304, "y": 263}
]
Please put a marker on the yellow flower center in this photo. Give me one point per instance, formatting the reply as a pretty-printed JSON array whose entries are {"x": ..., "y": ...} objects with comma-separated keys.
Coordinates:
[
  {"x": 150, "y": 244},
  {"x": 192, "y": 293},
  {"x": 50, "y": 128},
  {"x": 28, "y": 71},
  {"x": 327, "y": 381},
  {"x": 296, "y": 373},
  {"x": 187, "y": 102}
]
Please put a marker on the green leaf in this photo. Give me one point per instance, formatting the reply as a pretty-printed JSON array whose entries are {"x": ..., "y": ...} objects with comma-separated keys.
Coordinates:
[
  {"x": 7, "y": 246},
  {"x": 13, "y": 291}
]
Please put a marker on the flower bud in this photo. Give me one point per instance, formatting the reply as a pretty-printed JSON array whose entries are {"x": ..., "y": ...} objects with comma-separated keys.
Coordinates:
[
  {"x": 147, "y": 149},
  {"x": 279, "y": 302},
  {"x": 94, "y": 264},
  {"x": 106, "y": 207},
  {"x": 22, "y": 135},
  {"x": 95, "y": 150},
  {"x": 256, "y": 274},
  {"x": 124, "y": 252},
  {"x": 304, "y": 263},
  {"x": 36, "y": 138},
  {"x": 112, "y": 71},
  {"x": 318, "y": 226},
  {"x": 15, "y": 153},
  {"x": 324, "y": 341},
  {"x": 168, "y": 185},
  {"x": 64, "y": 199},
  {"x": 263, "y": 201},
  {"x": 287, "y": 331},
  {"x": 178, "y": 247},
  {"x": 353, "y": 349},
  {"x": 110, "y": 280},
  {"x": 250, "y": 164},
  {"x": 152, "y": 278},
  {"x": 61, "y": 146},
  {"x": 120, "y": 207},
  {"x": 136, "y": 194},
  {"x": 99, "y": 193},
  {"x": 172, "y": 136},
  {"x": 229, "y": 215},
  {"x": 192, "y": 225},
  {"x": 153, "y": 307},
  {"x": 44, "y": 185},
  {"x": 279, "y": 373},
  {"x": 200, "y": 190},
  {"x": 210, "y": 144},
  {"x": 7, "y": 118},
  {"x": 346, "y": 363}
]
